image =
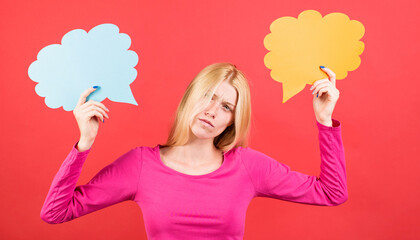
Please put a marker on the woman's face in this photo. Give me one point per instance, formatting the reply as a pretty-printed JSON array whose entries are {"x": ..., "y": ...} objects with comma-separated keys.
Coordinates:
[{"x": 218, "y": 115}]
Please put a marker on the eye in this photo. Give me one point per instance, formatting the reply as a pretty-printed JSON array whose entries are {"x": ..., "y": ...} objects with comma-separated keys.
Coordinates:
[{"x": 227, "y": 107}]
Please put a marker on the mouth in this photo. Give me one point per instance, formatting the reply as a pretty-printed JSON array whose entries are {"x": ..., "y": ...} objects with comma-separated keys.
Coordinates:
[{"x": 206, "y": 121}]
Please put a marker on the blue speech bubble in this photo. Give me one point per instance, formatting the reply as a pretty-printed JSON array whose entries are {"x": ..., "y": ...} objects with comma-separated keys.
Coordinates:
[{"x": 98, "y": 58}]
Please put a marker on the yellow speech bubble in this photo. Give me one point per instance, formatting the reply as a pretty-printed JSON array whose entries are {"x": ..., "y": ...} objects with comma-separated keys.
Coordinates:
[{"x": 299, "y": 46}]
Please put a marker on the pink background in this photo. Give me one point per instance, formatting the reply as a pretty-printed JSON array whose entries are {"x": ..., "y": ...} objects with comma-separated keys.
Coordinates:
[{"x": 378, "y": 109}]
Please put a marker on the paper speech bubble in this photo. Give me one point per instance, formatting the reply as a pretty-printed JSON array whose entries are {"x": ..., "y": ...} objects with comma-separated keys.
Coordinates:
[
  {"x": 299, "y": 46},
  {"x": 100, "y": 57}
]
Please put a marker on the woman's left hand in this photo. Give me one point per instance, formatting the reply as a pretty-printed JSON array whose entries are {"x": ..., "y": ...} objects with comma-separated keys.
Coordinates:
[{"x": 325, "y": 97}]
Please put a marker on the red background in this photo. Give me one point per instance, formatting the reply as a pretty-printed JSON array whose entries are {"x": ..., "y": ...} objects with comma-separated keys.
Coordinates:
[{"x": 378, "y": 109}]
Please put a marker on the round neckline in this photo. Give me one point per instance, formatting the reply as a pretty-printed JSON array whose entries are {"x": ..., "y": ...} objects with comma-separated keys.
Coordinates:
[{"x": 157, "y": 152}]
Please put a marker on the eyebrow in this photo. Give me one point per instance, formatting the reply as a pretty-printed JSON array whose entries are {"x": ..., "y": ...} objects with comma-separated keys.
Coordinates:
[{"x": 225, "y": 101}]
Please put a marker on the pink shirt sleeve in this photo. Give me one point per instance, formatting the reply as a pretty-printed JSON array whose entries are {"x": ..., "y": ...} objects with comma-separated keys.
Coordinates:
[
  {"x": 275, "y": 180},
  {"x": 115, "y": 183}
]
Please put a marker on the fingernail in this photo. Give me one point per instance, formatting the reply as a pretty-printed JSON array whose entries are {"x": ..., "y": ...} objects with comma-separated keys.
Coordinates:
[
  {"x": 103, "y": 120},
  {"x": 321, "y": 66},
  {"x": 313, "y": 92},
  {"x": 317, "y": 95},
  {"x": 95, "y": 86},
  {"x": 311, "y": 87}
]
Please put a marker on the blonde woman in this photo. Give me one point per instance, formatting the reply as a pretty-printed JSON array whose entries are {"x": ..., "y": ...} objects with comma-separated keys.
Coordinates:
[{"x": 199, "y": 184}]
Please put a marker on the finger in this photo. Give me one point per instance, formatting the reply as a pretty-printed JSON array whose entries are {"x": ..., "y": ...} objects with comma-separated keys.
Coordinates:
[
  {"x": 102, "y": 106},
  {"x": 330, "y": 74},
  {"x": 321, "y": 86},
  {"x": 97, "y": 108},
  {"x": 92, "y": 102},
  {"x": 95, "y": 113},
  {"x": 316, "y": 83},
  {"x": 323, "y": 90},
  {"x": 320, "y": 81},
  {"x": 84, "y": 95},
  {"x": 100, "y": 119}
]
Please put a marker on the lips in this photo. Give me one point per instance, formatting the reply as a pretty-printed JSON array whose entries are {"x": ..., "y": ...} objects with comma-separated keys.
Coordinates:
[{"x": 206, "y": 121}]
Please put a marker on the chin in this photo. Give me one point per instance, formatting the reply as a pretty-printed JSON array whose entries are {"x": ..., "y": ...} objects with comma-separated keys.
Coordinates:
[{"x": 201, "y": 134}]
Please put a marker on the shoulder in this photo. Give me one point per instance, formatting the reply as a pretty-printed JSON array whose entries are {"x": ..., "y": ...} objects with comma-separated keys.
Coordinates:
[
  {"x": 249, "y": 153},
  {"x": 135, "y": 156},
  {"x": 147, "y": 149},
  {"x": 254, "y": 159},
  {"x": 132, "y": 155},
  {"x": 251, "y": 157},
  {"x": 146, "y": 152}
]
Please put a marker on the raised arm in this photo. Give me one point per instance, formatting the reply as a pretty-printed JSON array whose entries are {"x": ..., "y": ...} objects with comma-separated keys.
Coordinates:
[
  {"x": 115, "y": 183},
  {"x": 275, "y": 180}
]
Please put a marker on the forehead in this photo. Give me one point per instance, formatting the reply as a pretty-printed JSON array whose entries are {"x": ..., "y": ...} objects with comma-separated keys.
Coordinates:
[{"x": 227, "y": 92}]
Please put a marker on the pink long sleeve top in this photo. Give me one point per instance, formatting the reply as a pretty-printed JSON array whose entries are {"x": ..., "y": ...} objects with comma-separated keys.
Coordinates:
[{"x": 210, "y": 206}]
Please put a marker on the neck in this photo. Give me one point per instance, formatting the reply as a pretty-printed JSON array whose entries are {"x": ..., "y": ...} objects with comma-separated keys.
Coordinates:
[{"x": 197, "y": 152}]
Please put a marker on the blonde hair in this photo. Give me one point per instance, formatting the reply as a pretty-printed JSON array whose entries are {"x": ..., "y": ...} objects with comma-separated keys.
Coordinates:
[{"x": 195, "y": 99}]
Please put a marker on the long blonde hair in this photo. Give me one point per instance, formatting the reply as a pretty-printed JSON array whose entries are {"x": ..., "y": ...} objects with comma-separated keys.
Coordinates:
[{"x": 196, "y": 98}]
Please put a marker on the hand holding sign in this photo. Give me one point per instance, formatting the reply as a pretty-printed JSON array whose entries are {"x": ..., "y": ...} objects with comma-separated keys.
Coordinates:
[
  {"x": 325, "y": 97},
  {"x": 100, "y": 57},
  {"x": 88, "y": 115},
  {"x": 299, "y": 46}
]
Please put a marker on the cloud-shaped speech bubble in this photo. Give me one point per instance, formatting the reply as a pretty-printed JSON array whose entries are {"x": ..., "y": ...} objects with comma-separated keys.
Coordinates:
[
  {"x": 299, "y": 46},
  {"x": 100, "y": 57}
]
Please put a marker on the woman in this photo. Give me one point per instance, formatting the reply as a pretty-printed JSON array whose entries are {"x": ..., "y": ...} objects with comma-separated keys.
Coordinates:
[{"x": 200, "y": 183}]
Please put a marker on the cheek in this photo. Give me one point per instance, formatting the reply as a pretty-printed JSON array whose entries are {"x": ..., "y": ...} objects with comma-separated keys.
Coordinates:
[
  {"x": 231, "y": 116},
  {"x": 226, "y": 120}
]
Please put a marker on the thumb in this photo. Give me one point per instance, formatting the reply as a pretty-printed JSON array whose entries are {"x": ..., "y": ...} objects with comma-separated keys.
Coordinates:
[
  {"x": 330, "y": 73},
  {"x": 85, "y": 94}
]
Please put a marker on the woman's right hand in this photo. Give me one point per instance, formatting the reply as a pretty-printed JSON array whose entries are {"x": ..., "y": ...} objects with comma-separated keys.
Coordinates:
[{"x": 88, "y": 114}]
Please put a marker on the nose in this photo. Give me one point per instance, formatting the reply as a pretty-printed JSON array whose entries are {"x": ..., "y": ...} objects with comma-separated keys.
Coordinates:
[{"x": 211, "y": 110}]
